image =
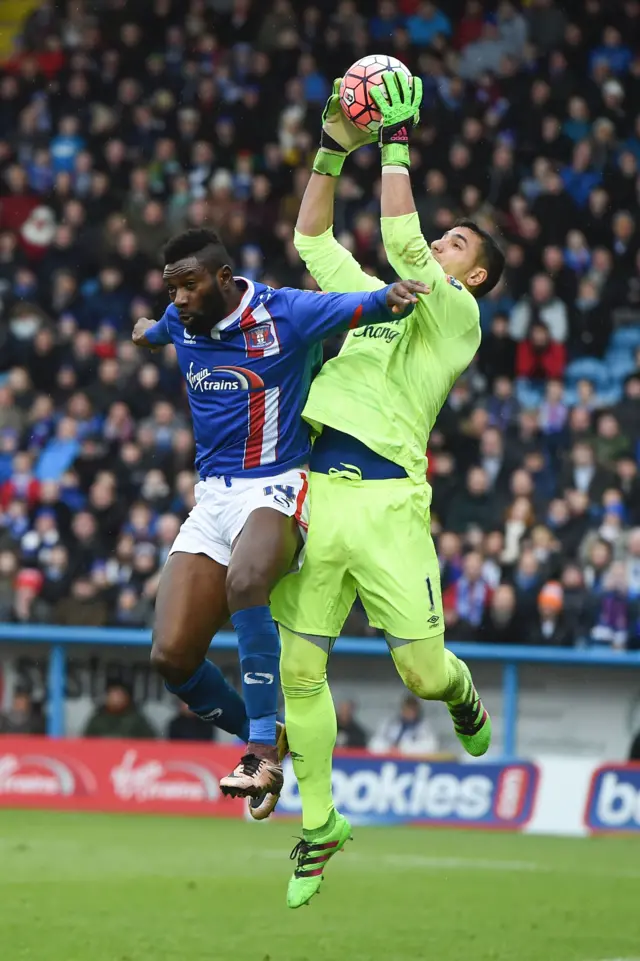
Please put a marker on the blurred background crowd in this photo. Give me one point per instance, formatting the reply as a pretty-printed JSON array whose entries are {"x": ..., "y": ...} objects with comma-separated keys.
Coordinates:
[
  {"x": 116, "y": 715},
  {"x": 124, "y": 122}
]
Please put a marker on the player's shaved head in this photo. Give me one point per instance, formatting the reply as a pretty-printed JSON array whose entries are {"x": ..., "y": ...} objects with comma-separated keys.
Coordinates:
[{"x": 199, "y": 246}]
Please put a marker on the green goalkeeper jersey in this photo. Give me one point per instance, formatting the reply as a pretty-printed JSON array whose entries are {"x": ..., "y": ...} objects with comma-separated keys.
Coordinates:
[{"x": 390, "y": 380}]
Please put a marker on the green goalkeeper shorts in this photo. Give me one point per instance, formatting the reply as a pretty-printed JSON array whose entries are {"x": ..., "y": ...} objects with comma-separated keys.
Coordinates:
[{"x": 370, "y": 538}]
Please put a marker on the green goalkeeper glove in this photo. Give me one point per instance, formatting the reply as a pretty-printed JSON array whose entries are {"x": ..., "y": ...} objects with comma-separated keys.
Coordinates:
[
  {"x": 339, "y": 136},
  {"x": 400, "y": 107}
]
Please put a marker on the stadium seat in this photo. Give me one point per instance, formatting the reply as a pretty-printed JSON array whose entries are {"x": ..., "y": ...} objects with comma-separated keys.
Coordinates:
[
  {"x": 612, "y": 395},
  {"x": 620, "y": 363},
  {"x": 588, "y": 368},
  {"x": 626, "y": 338},
  {"x": 528, "y": 394}
]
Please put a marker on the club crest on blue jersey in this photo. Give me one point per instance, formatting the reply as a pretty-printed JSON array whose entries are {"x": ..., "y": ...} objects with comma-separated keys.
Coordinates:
[
  {"x": 260, "y": 337},
  {"x": 454, "y": 283}
]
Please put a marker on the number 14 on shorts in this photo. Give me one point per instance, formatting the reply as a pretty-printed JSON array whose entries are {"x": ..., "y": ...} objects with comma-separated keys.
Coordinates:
[{"x": 282, "y": 494}]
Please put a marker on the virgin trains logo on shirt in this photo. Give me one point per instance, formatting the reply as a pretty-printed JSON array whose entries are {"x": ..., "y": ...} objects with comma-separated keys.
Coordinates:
[{"x": 222, "y": 378}]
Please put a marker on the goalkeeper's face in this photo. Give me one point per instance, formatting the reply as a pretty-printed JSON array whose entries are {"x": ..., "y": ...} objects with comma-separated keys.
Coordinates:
[{"x": 459, "y": 253}]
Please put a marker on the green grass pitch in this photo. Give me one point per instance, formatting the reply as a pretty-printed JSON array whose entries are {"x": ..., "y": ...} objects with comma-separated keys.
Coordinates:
[{"x": 88, "y": 887}]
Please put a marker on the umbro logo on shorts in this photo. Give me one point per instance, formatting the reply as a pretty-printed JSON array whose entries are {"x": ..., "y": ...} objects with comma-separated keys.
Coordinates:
[{"x": 433, "y": 619}]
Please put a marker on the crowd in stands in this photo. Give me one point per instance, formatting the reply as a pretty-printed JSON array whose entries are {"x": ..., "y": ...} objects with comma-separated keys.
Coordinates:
[
  {"x": 116, "y": 715},
  {"x": 122, "y": 122}
]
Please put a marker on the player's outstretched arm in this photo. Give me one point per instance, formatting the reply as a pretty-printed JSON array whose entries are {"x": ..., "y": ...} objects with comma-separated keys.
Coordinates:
[
  {"x": 328, "y": 261},
  {"x": 331, "y": 264},
  {"x": 405, "y": 246},
  {"x": 316, "y": 317},
  {"x": 315, "y": 216},
  {"x": 338, "y": 138},
  {"x": 151, "y": 333}
]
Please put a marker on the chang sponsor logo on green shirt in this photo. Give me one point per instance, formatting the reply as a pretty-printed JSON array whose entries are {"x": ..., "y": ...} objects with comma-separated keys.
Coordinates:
[{"x": 386, "y": 332}]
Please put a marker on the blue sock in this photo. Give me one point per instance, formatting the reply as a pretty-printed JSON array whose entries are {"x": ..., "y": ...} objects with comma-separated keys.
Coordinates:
[
  {"x": 259, "y": 650},
  {"x": 212, "y": 698}
]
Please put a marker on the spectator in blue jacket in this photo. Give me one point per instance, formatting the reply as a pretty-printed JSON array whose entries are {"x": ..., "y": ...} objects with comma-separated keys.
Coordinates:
[
  {"x": 60, "y": 452},
  {"x": 612, "y": 51},
  {"x": 579, "y": 177},
  {"x": 109, "y": 301},
  {"x": 384, "y": 24},
  {"x": 578, "y": 124},
  {"x": 66, "y": 146},
  {"x": 427, "y": 22}
]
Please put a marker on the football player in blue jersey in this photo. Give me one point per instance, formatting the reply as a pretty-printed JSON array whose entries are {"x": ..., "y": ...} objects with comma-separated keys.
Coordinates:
[{"x": 248, "y": 354}]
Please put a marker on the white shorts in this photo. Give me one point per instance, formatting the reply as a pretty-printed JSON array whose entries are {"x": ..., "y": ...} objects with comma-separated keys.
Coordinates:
[{"x": 223, "y": 508}]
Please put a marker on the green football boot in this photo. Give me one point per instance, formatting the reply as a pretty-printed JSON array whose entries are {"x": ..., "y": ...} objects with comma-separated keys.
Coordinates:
[
  {"x": 312, "y": 857},
  {"x": 471, "y": 721}
]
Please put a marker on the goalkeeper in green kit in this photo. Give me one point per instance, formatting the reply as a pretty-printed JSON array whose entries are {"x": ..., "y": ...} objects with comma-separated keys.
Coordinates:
[{"x": 373, "y": 407}]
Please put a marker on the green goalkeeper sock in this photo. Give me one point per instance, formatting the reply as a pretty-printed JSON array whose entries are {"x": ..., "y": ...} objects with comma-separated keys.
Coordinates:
[
  {"x": 471, "y": 721},
  {"x": 460, "y": 686},
  {"x": 435, "y": 673},
  {"x": 311, "y": 724}
]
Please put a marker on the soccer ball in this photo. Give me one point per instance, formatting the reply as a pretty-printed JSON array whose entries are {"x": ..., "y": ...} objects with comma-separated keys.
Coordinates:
[{"x": 354, "y": 89}]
